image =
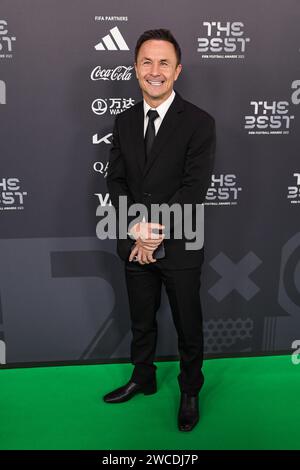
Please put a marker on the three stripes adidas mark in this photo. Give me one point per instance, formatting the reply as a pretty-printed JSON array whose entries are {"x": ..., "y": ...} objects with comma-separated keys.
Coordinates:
[{"x": 109, "y": 44}]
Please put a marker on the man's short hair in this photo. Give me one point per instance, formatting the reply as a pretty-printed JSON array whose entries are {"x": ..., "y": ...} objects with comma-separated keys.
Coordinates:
[{"x": 159, "y": 34}]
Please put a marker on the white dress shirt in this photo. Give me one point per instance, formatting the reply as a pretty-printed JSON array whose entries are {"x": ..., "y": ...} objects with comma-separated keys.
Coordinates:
[{"x": 161, "y": 109}]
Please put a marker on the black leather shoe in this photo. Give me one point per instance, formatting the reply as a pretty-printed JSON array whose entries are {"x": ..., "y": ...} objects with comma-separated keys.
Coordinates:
[
  {"x": 128, "y": 391},
  {"x": 188, "y": 414}
]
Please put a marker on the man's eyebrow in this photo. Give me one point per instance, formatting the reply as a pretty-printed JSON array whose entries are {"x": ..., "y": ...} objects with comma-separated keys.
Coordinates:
[{"x": 161, "y": 60}]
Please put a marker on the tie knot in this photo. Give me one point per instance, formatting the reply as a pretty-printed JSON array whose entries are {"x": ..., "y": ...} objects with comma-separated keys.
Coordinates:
[{"x": 152, "y": 114}]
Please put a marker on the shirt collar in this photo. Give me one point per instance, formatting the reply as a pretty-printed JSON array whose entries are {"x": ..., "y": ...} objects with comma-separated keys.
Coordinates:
[{"x": 162, "y": 108}]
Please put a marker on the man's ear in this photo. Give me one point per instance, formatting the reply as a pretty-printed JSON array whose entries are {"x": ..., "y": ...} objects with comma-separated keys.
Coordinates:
[
  {"x": 178, "y": 70},
  {"x": 135, "y": 68}
]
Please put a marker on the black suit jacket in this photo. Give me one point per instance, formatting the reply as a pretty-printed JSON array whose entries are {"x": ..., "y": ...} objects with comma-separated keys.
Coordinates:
[{"x": 178, "y": 169}]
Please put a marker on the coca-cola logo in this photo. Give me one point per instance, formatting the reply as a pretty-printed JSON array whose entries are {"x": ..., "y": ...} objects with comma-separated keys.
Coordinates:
[{"x": 121, "y": 72}]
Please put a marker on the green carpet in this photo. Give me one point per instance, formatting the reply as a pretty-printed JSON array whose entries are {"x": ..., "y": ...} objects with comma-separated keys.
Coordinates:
[{"x": 248, "y": 403}]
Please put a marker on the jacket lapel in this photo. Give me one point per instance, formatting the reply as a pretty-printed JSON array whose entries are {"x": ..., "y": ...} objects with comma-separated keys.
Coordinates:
[
  {"x": 137, "y": 130},
  {"x": 167, "y": 127}
]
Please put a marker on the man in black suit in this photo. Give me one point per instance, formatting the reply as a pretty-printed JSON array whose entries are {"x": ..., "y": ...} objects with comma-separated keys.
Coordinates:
[{"x": 162, "y": 153}]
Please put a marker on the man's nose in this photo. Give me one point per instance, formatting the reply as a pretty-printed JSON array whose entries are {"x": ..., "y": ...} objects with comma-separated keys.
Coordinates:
[{"x": 155, "y": 69}]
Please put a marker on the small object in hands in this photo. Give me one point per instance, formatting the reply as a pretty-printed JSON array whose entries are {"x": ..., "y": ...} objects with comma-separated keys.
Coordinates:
[{"x": 159, "y": 253}]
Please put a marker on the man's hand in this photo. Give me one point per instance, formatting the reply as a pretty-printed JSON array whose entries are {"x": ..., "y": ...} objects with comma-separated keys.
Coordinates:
[
  {"x": 146, "y": 241},
  {"x": 142, "y": 255},
  {"x": 144, "y": 229}
]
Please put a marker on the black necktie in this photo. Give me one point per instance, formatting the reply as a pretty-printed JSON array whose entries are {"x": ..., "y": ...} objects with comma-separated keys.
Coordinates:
[{"x": 150, "y": 132}]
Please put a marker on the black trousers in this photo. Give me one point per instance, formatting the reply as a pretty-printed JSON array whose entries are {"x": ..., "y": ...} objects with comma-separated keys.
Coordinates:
[{"x": 144, "y": 283}]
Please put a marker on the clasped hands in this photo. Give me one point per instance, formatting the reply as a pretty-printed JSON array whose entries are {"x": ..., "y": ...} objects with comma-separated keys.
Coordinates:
[{"x": 146, "y": 241}]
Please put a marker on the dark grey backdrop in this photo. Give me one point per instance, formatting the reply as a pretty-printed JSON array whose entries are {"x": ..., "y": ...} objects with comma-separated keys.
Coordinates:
[{"x": 62, "y": 291}]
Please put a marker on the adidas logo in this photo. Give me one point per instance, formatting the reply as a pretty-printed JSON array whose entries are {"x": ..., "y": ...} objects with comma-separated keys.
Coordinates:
[{"x": 109, "y": 44}]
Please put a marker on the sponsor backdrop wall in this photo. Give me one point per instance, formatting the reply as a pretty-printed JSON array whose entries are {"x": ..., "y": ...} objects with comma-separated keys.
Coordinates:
[{"x": 66, "y": 70}]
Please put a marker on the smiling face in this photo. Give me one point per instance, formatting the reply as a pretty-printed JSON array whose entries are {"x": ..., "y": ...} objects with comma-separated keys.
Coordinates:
[{"x": 156, "y": 70}]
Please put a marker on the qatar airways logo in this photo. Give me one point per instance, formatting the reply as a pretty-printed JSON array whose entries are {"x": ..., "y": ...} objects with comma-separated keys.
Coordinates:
[
  {"x": 102, "y": 168},
  {"x": 223, "y": 40},
  {"x": 121, "y": 72},
  {"x": 273, "y": 116}
]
